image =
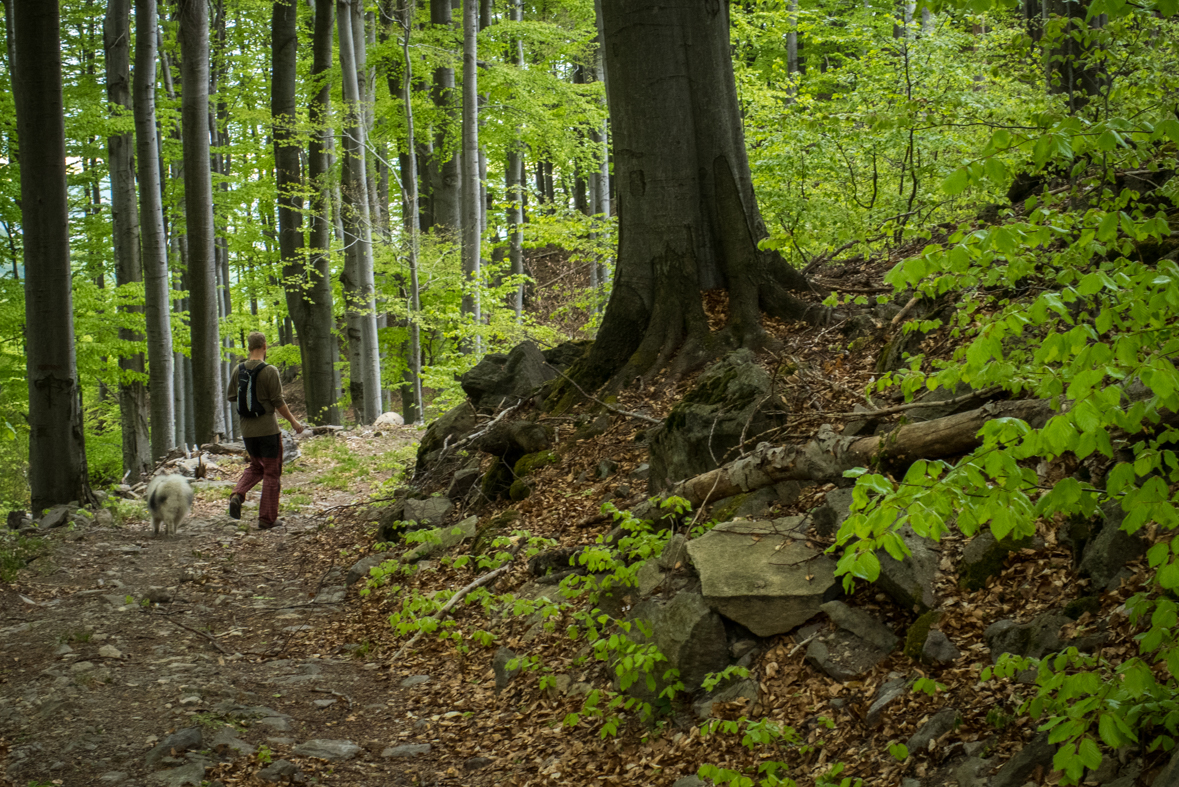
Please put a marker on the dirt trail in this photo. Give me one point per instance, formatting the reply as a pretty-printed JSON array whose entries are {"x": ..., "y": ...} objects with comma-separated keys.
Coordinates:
[{"x": 115, "y": 640}]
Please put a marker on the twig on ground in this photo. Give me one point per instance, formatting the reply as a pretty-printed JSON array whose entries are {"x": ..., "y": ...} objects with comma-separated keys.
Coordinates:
[
  {"x": 627, "y": 413},
  {"x": 904, "y": 312},
  {"x": 204, "y": 634},
  {"x": 457, "y": 597},
  {"x": 900, "y": 408}
]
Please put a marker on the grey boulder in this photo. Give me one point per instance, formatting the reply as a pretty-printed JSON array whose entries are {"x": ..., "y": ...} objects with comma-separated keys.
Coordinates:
[
  {"x": 328, "y": 749},
  {"x": 762, "y": 574}
]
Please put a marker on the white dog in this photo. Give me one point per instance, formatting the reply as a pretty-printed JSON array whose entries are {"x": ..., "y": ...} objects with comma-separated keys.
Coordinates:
[{"x": 169, "y": 497}]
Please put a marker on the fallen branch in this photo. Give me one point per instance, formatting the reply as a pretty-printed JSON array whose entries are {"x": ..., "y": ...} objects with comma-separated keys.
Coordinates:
[
  {"x": 204, "y": 634},
  {"x": 900, "y": 408},
  {"x": 457, "y": 597},
  {"x": 627, "y": 413},
  {"x": 825, "y": 458}
]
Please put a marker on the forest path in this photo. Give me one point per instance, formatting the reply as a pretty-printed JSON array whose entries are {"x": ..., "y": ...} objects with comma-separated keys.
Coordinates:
[{"x": 115, "y": 640}]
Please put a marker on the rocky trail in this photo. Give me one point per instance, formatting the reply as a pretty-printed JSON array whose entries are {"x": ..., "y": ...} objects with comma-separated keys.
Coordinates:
[{"x": 131, "y": 660}]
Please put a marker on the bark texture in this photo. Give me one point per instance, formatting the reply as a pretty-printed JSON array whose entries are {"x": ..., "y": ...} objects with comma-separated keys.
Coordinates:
[
  {"x": 57, "y": 448},
  {"x": 305, "y": 278},
  {"x": 358, "y": 284},
  {"x": 442, "y": 167},
  {"x": 198, "y": 210},
  {"x": 689, "y": 220},
  {"x": 128, "y": 268},
  {"x": 471, "y": 193}
]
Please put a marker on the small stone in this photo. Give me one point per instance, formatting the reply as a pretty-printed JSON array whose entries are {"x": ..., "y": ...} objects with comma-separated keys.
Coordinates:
[
  {"x": 321, "y": 704},
  {"x": 476, "y": 763},
  {"x": 190, "y": 700},
  {"x": 938, "y": 649},
  {"x": 277, "y": 771},
  {"x": 110, "y": 652},
  {"x": 331, "y": 595},
  {"x": 414, "y": 680},
  {"x": 82, "y": 666},
  {"x": 64, "y": 650},
  {"x": 176, "y": 743},
  {"x": 503, "y": 675},
  {"x": 406, "y": 750},
  {"x": 159, "y": 595},
  {"x": 276, "y": 723},
  {"x": 328, "y": 749},
  {"x": 606, "y": 468}
]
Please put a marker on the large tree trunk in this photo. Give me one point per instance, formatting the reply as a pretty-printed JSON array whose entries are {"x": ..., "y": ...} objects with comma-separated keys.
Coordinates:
[
  {"x": 198, "y": 210},
  {"x": 413, "y": 414},
  {"x": 358, "y": 283},
  {"x": 306, "y": 278},
  {"x": 689, "y": 218},
  {"x": 472, "y": 221},
  {"x": 154, "y": 258},
  {"x": 57, "y": 449},
  {"x": 128, "y": 269},
  {"x": 1072, "y": 69}
]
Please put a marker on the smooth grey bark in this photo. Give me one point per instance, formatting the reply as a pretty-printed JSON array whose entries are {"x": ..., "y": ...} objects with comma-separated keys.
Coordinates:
[
  {"x": 410, "y": 178},
  {"x": 443, "y": 165},
  {"x": 357, "y": 280},
  {"x": 688, "y": 216},
  {"x": 600, "y": 180},
  {"x": 307, "y": 278},
  {"x": 128, "y": 268},
  {"x": 221, "y": 164},
  {"x": 471, "y": 213},
  {"x": 57, "y": 447},
  {"x": 792, "y": 40},
  {"x": 198, "y": 210}
]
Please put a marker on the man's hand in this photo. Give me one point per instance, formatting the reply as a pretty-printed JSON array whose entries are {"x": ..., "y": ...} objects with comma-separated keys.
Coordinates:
[{"x": 299, "y": 428}]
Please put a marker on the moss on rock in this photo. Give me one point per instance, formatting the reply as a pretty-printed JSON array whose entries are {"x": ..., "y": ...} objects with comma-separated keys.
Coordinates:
[
  {"x": 488, "y": 531},
  {"x": 534, "y": 461},
  {"x": 919, "y": 632}
]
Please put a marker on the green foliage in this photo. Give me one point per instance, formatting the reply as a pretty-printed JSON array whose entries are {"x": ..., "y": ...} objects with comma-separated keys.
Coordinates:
[{"x": 15, "y": 553}]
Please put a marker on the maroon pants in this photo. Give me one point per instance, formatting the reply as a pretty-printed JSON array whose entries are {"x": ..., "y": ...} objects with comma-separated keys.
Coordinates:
[{"x": 268, "y": 470}]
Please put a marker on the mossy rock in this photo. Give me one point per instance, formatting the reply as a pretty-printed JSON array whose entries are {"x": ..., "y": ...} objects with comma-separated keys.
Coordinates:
[
  {"x": 497, "y": 481},
  {"x": 919, "y": 632},
  {"x": 488, "y": 532},
  {"x": 1079, "y": 606},
  {"x": 519, "y": 490},
  {"x": 529, "y": 462}
]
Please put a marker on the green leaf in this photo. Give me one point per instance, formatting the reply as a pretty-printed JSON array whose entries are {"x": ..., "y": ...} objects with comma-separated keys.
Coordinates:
[{"x": 957, "y": 182}]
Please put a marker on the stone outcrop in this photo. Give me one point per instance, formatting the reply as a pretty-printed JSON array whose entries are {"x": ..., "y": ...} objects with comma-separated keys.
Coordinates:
[
  {"x": 731, "y": 406},
  {"x": 452, "y": 425},
  {"x": 762, "y": 574},
  {"x": 503, "y": 380}
]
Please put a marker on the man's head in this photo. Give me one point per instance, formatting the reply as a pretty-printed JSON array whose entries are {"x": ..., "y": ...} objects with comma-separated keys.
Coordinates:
[{"x": 256, "y": 343}]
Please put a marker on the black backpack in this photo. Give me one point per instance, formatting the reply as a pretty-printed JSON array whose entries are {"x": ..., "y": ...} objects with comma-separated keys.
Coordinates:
[{"x": 248, "y": 405}]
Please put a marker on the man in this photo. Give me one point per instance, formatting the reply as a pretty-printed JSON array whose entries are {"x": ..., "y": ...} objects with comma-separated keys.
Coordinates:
[{"x": 261, "y": 434}]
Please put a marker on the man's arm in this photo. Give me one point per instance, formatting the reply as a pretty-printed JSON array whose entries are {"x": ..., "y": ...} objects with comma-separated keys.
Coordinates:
[{"x": 285, "y": 412}]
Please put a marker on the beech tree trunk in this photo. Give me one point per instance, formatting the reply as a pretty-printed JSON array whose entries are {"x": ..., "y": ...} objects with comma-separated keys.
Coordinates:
[
  {"x": 198, "y": 210},
  {"x": 358, "y": 284},
  {"x": 412, "y": 414},
  {"x": 128, "y": 269},
  {"x": 305, "y": 280},
  {"x": 443, "y": 168},
  {"x": 57, "y": 447},
  {"x": 514, "y": 182},
  {"x": 472, "y": 215},
  {"x": 689, "y": 220}
]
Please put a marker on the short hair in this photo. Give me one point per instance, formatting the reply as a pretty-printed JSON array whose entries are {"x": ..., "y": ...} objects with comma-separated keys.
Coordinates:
[{"x": 256, "y": 341}]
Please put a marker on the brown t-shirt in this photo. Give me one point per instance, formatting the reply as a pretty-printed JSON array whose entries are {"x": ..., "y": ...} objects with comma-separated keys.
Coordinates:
[{"x": 269, "y": 394}]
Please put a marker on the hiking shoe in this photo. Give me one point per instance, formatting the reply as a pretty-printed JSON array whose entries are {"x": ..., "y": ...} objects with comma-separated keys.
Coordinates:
[
  {"x": 264, "y": 525},
  {"x": 235, "y": 506}
]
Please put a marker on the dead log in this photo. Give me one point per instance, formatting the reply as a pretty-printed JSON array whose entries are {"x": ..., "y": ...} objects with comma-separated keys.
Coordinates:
[{"x": 824, "y": 459}]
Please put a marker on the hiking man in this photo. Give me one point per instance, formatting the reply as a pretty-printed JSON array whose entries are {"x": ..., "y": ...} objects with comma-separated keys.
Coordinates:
[{"x": 257, "y": 389}]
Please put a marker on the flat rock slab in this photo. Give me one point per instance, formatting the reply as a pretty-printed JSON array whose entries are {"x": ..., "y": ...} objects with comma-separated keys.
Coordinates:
[
  {"x": 842, "y": 655},
  {"x": 405, "y": 751},
  {"x": 762, "y": 574},
  {"x": 328, "y": 749}
]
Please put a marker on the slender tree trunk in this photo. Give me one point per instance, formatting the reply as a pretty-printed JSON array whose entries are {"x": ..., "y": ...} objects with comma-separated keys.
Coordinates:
[
  {"x": 128, "y": 269},
  {"x": 600, "y": 181},
  {"x": 470, "y": 168},
  {"x": 198, "y": 203},
  {"x": 358, "y": 283},
  {"x": 306, "y": 277},
  {"x": 445, "y": 184},
  {"x": 57, "y": 449},
  {"x": 10, "y": 36},
  {"x": 792, "y": 41},
  {"x": 411, "y": 180},
  {"x": 514, "y": 180},
  {"x": 220, "y": 164}
]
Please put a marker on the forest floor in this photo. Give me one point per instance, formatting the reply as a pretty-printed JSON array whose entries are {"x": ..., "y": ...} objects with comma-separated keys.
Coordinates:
[
  {"x": 113, "y": 643},
  {"x": 236, "y": 639}
]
